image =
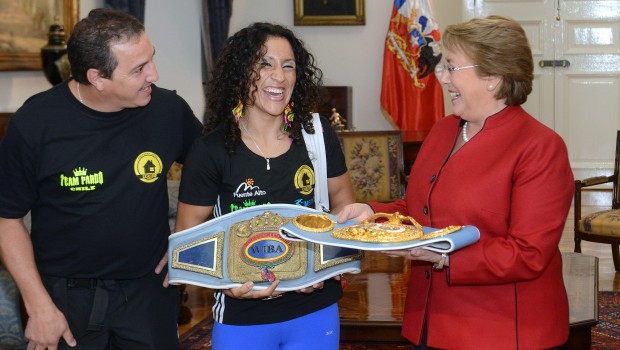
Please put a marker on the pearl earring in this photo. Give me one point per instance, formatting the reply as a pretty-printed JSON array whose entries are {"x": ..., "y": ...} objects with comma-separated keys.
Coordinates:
[{"x": 490, "y": 87}]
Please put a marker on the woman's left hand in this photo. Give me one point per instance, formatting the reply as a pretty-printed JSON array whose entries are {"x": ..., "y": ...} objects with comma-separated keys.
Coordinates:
[
  {"x": 247, "y": 291},
  {"x": 415, "y": 254},
  {"x": 311, "y": 289}
]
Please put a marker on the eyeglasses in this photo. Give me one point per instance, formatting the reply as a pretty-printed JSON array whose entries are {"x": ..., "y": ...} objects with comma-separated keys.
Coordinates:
[{"x": 440, "y": 68}]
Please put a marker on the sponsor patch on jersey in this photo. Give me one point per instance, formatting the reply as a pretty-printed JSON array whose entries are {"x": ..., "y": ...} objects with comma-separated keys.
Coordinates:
[
  {"x": 147, "y": 167},
  {"x": 82, "y": 180},
  {"x": 247, "y": 191},
  {"x": 304, "y": 180}
]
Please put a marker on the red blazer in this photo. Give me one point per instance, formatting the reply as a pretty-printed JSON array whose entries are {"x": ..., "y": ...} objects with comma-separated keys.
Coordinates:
[{"x": 514, "y": 182}]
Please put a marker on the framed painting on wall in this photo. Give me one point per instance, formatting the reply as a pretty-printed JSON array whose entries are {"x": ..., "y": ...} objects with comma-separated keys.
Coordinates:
[
  {"x": 24, "y": 26},
  {"x": 375, "y": 163},
  {"x": 329, "y": 12}
]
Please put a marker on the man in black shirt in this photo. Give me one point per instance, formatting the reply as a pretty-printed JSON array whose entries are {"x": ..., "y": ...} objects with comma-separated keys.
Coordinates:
[{"x": 88, "y": 158}]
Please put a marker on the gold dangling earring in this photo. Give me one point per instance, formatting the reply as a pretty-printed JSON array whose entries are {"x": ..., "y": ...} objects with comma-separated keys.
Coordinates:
[
  {"x": 288, "y": 116},
  {"x": 238, "y": 111}
]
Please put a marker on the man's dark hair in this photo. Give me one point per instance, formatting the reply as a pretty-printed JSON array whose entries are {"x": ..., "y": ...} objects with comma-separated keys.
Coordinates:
[{"x": 91, "y": 38}]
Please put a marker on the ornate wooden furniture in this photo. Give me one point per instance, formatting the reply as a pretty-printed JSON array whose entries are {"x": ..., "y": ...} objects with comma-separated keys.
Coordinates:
[
  {"x": 412, "y": 141},
  {"x": 375, "y": 163},
  {"x": 340, "y": 98},
  {"x": 602, "y": 226},
  {"x": 371, "y": 309}
]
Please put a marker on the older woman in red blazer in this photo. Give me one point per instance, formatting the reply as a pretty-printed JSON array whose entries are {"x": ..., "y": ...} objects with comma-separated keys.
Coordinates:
[{"x": 491, "y": 165}]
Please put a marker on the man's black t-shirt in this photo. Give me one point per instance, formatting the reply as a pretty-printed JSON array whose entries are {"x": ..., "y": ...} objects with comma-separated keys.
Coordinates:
[{"x": 95, "y": 182}]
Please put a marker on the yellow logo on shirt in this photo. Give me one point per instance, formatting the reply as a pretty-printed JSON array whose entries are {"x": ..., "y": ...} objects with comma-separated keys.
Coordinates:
[
  {"x": 147, "y": 167},
  {"x": 304, "y": 180},
  {"x": 82, "y": 180}
]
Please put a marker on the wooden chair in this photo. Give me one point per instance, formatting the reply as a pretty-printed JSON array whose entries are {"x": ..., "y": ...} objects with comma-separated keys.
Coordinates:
[
  {"x": 602, "y": 226},
  {"x": 375, "y": 163}
]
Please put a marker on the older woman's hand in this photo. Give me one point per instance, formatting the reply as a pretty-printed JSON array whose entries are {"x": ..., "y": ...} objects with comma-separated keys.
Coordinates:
[
  {"x": 311, "y": 288},
  {"x": 355, "y": 211},
  {"x": 416, "y": 254}
]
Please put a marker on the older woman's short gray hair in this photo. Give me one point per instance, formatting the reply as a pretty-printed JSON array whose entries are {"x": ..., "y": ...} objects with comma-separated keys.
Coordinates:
[{"x": 499, "y": 46}]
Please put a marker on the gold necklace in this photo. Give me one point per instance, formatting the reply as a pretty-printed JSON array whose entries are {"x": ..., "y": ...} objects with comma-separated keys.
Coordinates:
[{"x": 256, "y": 144}]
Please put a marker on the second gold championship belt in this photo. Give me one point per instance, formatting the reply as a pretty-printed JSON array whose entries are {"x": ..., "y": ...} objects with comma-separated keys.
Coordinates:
[{"x": 379, "y": 232}]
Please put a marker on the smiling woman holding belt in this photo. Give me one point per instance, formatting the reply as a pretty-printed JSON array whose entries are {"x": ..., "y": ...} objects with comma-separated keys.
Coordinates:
[
  {"x": 492, "y": 165},
  {"x": 264, "y": 88}
]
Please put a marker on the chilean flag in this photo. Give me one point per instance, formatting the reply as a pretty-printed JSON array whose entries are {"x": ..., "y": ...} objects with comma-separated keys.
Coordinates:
[{"x": 411, "y": 95}]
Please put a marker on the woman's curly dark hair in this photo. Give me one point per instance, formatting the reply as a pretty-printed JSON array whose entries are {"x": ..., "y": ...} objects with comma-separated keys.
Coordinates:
[{"x": 234, "y": 77}]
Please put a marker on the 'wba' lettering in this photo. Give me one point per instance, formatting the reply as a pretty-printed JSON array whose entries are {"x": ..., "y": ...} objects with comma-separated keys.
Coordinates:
[{"x": 266, "y": 249}]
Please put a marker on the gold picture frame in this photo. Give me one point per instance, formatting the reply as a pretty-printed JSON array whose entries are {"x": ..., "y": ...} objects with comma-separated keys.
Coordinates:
[
  {"x": 329, "y": 12},
  {"x": 28, "y": 57}
]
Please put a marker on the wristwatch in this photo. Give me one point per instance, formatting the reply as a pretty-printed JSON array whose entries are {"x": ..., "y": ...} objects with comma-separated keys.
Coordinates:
[{"x": 439, "y": 265}]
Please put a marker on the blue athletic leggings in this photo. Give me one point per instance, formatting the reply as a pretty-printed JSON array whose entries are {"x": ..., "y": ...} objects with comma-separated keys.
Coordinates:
[{"x": 318, "y": 330}]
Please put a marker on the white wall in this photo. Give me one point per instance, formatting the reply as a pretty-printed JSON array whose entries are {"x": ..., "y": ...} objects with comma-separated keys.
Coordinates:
[
  {"x": 174, "y": 29},
  {"x": 348, "y": 55}
]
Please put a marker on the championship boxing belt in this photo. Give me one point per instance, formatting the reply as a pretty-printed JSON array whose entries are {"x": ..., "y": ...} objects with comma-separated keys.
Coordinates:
[
  {"x": 379, "y": 232},
  {"x": 246, "y": 245}
]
